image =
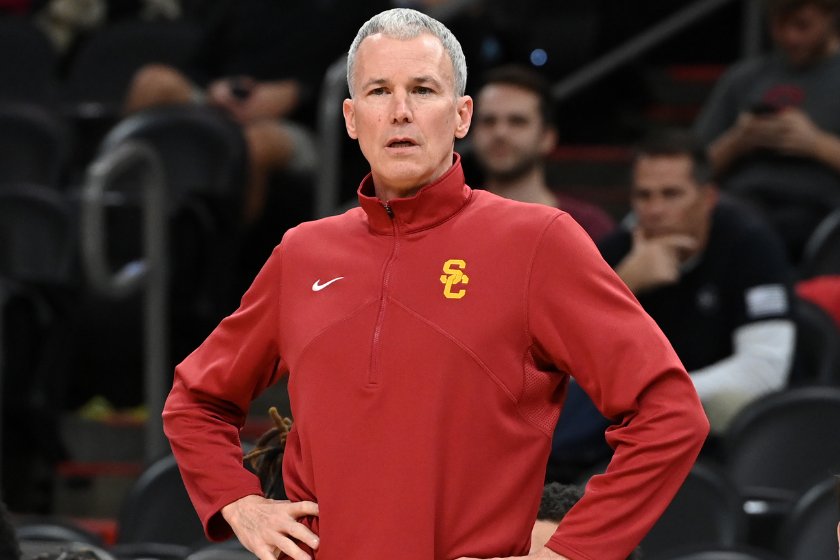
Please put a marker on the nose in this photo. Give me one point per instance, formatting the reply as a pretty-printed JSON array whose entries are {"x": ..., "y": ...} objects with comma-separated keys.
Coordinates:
[{"x": 401, "y": 108}]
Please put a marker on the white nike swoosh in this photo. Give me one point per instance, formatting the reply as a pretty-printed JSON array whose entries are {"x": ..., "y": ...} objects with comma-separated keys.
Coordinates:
[{"x": 318, "y": 288}]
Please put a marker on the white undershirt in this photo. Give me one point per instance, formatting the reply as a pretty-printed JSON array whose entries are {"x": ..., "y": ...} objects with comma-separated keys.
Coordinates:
[{"x": 760, "y": 364}]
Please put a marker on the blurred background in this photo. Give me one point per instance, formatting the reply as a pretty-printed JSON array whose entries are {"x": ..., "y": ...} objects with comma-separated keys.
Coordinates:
[{"x": 142, "y": 188}]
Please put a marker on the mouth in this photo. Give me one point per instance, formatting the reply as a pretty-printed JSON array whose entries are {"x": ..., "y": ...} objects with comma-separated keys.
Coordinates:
[{"x": 402, "y": 143}]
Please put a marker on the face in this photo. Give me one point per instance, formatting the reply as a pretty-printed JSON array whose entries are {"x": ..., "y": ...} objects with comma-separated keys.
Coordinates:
[
  {"x": 509, "y": 135},
  {"x": 667, "y": 199},
  {"x": 541, "y": 533},
  {"x": 404, "y": 112},
  {"x": 804, "y": 35}
]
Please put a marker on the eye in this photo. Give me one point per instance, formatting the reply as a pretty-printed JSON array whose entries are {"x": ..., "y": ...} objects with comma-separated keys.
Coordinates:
[
  {"x": 517, "y": 121},
  {"x": 378, "y": 91},
  {"x": 422, "y": 90}
]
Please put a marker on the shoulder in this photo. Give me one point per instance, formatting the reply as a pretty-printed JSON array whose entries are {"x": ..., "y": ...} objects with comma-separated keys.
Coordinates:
[
  {"x": 518, "y": 217},
  {"x": 745, "y": 245},
  {"x": 325, "y": 231},
  {"x": 739, "y": 226}
]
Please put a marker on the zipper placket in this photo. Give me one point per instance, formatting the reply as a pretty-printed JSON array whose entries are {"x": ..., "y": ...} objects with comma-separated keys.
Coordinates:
[{"x": 373, "y": 376}]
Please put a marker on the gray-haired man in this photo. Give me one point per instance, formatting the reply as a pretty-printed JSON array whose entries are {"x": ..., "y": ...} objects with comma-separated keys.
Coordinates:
[{"x": 429, "y": 336}]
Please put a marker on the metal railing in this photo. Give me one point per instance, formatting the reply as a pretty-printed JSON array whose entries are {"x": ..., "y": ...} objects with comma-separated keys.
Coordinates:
[
  {"x": 662, "y": 31},
  {"x": 330, "y": 129},
  {"x": 149, "y": 274}
]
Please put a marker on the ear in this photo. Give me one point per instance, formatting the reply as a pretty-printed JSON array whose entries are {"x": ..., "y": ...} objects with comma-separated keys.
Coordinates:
[
  {"x": 549, "y": 140},
  {"x": 464, "y": 116},
  {"x": 349, "y": 109}
]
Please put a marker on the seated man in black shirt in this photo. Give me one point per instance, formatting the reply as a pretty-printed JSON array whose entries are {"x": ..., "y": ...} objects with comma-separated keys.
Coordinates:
[{"x": 712, "y": 276}]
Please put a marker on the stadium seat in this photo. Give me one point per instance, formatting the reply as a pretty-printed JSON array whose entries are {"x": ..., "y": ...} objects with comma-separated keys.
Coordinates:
[
  {"x": 205, "y": 162},
  {"x": 705, "y": 512},
  {"x": 719, "y": 554},
  {"x": 102, "y": 70},
  {"x": 229, "y": 550},
  {"x": 27, "y": 63},
  {"x": 158, "y": 509},
  {"x": 204, "y": 152},
  {"x": 56, "y": 531},
  {"x": 817, "y": 357},
  {"x": 822, "y": 252},
  {"x": 34, "y": 145},
  {"x": 777, "y": 448},
  {"x": 810, "y": 531},
  {"x": 783, "y": 443},
  {"x": 37, "y": 242},
  {"x": 36, "y": 548}
]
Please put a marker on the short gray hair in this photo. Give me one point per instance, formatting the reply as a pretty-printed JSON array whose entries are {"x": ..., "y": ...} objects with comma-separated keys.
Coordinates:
[{"x": 404, "y": 24}]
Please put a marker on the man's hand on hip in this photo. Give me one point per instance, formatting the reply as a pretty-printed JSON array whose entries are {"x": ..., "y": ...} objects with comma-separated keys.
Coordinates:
[
  {"x": 267, "y": 527},
  {"x": 544, "y": 553}
]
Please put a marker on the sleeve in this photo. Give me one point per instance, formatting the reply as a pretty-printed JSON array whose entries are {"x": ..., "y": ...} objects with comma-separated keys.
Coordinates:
[
  {"x": 760, "y": 277},
  {"x": 759, "y": 365},
  {"x": 211, "y": 394},
  {"x": 720, "y": 111},
  {"x": 584, "y": 320}
]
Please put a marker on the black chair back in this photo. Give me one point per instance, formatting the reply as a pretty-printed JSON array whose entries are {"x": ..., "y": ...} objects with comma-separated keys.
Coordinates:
[
  {"x": 810, "y": 531},
  {"x": 740, "y": 553},
  {"x": 34, "y": 145},
  {"x": 706, "y": 511},
  {"x": 817, "y": 357},
  {"x": 158, "y": 509},
  {"x": 27, "y": 63},
  {"x": 204, "y": 152},
  {"x": 37, "y": 241},
  {"x": 822, "y": 252},
  {"x": 780, "y": 445}
]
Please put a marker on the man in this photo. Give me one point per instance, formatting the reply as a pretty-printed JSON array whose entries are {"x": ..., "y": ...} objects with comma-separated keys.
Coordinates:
[
  {"x": 557, "y": 500},
  {"x": 512, "y": 135},
  {"x": 427, "y": 336},
  {"x": 710, "y": 274},
  {"x": 772, "y": 125}
]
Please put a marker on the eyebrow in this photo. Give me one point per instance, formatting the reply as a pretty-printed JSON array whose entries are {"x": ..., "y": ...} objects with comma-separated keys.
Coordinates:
[
  {"x": 426, "y": 79},
  {"x": 414, "y": 80}
]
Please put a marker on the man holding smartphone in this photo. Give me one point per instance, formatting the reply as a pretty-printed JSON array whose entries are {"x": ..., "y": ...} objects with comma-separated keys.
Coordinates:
[{"x": 771, "y": 126}]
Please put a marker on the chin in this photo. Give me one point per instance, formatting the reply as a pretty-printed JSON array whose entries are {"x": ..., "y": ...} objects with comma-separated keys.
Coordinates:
[{"x": 405, "y": 175}]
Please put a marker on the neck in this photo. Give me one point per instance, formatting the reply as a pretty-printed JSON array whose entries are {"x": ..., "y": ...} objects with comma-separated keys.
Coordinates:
[
  {"x": 387, "y": 190},
  {"x": 529, "y": 187}
]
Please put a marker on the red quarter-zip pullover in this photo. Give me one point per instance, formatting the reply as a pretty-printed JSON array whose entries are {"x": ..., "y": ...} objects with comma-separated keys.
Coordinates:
[{"x": 429, "y": 345}]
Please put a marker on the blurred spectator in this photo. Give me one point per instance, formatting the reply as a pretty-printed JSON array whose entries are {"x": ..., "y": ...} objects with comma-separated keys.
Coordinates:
[
  {"x": 262, "y": 62},
  {"x": 513, "y": 133},
  {"x": 771, "y": 126},
  {"x": 710, "y": 274},
  {"x": 64, "y": 20},
  {"x": 557, "y": 500}
]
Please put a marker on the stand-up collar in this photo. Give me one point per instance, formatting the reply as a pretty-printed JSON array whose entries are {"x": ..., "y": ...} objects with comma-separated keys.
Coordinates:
[{"x": 433, "y": 204}]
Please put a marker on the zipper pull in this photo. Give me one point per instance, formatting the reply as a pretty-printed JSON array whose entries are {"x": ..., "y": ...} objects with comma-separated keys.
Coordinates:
[{"x": 390, "y": 212}]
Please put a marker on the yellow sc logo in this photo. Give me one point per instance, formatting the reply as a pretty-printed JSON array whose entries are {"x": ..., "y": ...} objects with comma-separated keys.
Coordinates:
[{"x": 453, "y": 275}]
